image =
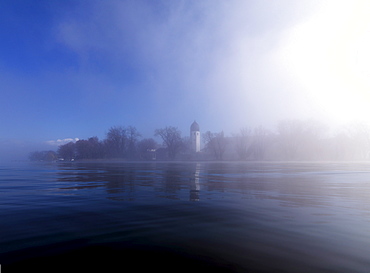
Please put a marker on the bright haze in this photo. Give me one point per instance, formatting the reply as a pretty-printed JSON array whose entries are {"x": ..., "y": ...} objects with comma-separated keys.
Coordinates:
[{"x": 73, "y": 69}]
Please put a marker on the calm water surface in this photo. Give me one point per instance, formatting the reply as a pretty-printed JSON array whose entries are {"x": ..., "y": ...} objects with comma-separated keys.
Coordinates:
[{"x": 222, "y": 216}]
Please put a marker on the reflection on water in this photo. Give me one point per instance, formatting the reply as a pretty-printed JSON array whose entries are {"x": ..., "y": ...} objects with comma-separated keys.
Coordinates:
[
  {"x": 195, "y": 186},
  {"x": 237, "y": 216},
  {"x": 131, "y": 181},
  {"x": 291, "y": 184}
]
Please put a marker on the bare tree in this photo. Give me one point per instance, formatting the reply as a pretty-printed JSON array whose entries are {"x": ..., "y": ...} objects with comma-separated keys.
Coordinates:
[
  {"x": 243, "y": 143},
  {"x": 91, "y": 148},
  {"x": 43, "y": 156},
  {"x": 146, "y": 148},
  {"x": 116, "y": 141},
  {"x": 67, "y": 151},
  {"x": 215, "y": 143},
  {"x": 300, "y": 139},
  {"x": 341, "y": 145},
  {"x": 260, "y": 143},
  {"x": 171, "y": 137},
  {"x": 132, "y": 138}
]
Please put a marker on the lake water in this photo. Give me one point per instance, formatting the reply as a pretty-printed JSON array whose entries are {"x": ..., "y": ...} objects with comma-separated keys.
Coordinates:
[{"x": 218, "y": 216}]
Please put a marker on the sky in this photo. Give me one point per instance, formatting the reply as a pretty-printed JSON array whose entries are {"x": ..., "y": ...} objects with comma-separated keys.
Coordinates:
[{"x": 72, "y": 69}]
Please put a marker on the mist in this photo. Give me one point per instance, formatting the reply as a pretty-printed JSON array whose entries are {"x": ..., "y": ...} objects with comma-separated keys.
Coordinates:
[{"x": 84, "y": 67}]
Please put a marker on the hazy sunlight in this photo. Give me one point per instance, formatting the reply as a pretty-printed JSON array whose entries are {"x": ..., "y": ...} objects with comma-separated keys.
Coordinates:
[{"x": 329, "y": 56}]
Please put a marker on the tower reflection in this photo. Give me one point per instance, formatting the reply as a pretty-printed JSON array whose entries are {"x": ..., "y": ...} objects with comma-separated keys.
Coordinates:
[{"x": 194, "y": 184}]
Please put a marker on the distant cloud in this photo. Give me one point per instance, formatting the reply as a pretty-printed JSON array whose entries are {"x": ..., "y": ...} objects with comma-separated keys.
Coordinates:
[{"x": 61, "y": 141}]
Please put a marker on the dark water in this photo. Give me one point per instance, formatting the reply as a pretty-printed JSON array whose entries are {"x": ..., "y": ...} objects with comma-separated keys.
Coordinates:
[{"x": 227, "y": 217}]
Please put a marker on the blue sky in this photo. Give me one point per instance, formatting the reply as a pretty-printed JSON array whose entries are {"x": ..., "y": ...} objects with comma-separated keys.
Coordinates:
[{"x": 73, "y": 69}]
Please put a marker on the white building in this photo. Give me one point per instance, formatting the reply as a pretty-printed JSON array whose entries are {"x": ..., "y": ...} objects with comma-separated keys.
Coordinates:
[{"x": 195, "y": 137}]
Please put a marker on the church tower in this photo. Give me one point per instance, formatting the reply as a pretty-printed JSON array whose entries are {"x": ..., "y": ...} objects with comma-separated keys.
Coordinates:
[{"x": 195, "y": 137}]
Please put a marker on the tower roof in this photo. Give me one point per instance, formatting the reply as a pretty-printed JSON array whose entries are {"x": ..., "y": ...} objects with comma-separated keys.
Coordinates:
[{"x": 194, "y": 126}]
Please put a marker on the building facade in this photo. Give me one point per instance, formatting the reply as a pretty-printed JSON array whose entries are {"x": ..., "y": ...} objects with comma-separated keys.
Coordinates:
[{"x": 195, "y": 137}]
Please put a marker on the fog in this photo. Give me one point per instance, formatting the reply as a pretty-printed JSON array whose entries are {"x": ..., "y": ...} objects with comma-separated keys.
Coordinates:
[{"x": 84, "y": 67}]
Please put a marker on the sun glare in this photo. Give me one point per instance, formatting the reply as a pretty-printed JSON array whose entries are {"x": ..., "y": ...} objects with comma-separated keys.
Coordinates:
[{"x": 329, "y": 57}]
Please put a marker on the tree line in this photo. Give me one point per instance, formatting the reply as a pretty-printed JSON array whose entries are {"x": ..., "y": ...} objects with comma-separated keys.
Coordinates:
[
  {"x": 292, "y": 140},
  {"x": 297, "y": 140},
  {"x": 120, "y": 142}
]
